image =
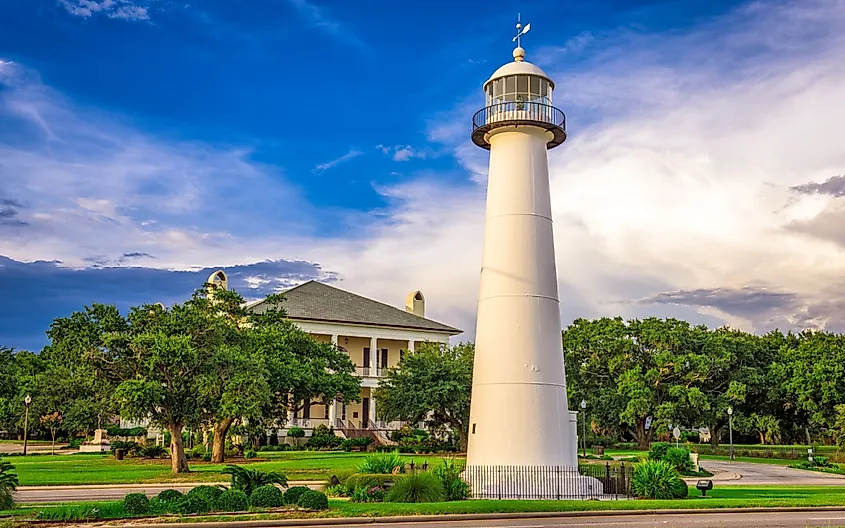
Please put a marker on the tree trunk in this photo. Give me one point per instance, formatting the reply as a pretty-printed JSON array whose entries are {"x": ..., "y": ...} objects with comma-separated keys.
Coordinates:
[
  {"x": 178, "y": 460},
  {"x": 463, "y": 438},
  {"x": 643, "y": 435},
  {"x": 218, "y": 445},
  {"x": 762, "y": 438},
  {"x": 807, "y": 432},
  {"x": 715, "y": 433}
]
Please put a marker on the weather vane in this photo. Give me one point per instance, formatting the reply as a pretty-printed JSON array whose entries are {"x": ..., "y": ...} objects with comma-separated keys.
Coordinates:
[{"x": 520, "y": 30}]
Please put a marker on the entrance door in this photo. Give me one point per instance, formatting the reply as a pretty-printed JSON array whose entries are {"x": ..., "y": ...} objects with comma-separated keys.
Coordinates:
[{"x": 365, "y": 410}]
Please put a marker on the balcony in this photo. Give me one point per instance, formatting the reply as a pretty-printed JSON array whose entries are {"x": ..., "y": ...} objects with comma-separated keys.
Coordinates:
[
  {"x": 516, "y": 113},
  {"x": 367, "y": 372}
]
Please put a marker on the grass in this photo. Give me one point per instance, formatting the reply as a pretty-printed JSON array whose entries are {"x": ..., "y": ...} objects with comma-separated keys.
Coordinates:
[
  {"x": 47, "y": 470},
  {"x": 726, "y": 497}
]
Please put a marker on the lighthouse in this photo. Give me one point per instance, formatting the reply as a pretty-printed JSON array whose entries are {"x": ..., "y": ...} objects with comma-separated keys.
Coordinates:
[{"x": 519, "y": 416}]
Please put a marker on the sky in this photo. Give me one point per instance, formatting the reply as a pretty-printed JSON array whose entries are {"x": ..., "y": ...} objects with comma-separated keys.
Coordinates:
[{"x": 146, "y": 143}]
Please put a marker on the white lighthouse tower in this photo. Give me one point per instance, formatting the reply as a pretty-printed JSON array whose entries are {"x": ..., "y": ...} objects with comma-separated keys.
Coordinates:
[{"x": 519, "y": 416}]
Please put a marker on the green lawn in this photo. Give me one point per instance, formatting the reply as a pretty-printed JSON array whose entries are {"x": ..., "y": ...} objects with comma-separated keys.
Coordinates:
[
  {"x": 727, "y": 497},
  {"x": 47, "y": 470}
]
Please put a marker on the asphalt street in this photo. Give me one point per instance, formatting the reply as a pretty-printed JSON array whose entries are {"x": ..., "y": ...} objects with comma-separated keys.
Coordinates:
[{"x": 752, "y": 473}]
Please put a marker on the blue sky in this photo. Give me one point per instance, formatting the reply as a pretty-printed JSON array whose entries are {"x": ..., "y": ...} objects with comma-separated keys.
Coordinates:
[{"x": 144, "y": 143}]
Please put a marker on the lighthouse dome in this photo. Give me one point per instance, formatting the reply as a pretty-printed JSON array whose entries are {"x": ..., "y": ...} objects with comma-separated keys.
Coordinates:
[{"x": 518, "y": 67}]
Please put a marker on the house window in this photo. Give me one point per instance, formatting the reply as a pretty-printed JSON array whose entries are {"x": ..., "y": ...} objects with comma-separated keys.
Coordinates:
[
  {"x": 327, "y": 412},
  {"x": 384, "y": 358},
  {"x": 306, "y": 410}
]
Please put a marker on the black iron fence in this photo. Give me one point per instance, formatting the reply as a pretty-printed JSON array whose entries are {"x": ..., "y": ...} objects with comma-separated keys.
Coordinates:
[
  {"x": 592, "y": 481},
  {"x": 519, "y": 111}
]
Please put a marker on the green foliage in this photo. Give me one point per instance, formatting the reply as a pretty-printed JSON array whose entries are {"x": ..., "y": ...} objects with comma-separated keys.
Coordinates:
[
  {"x": 323, "y": 430},
  {"x": 339, "y": 490},
  {"x": 210, "y": 494},
  {"x": 133, "y": 432},
  {"x": 233, "y": 501},
  {"x": 359, "y": 481},
  {"x": 267, "y": 496},
  {"x": 296, "y": 432},
  {"x": 8, "y": 484},
  {"x": 136, "y": 504},
  {"x": 246, "y": 480},
  {"x": 127, "y": 446},
  {"x": 382, "y": 463},
  {"x": 83, "y": 512},
  {"x": 821, "y": 461},
  {"x": 658, "y": 450},
  {"x": 432, "y": 383},
  {"x": 454, "y": 487},
  {"x": 292, "y": 494},
  {"x": 249, "y": 453},
  {"x": 416, "y": 487},
  {"x": 370, "y": 494},
  {"x": 170, "y": 496},
  {"x": 324, "y": 438},
  {"x": 656, "y": 479},
  {"x": 361, "y": 443},
  {"x": 193, "y": 504},
  {"x": 152, "y": 451},
  {"x": 313, "y": 500},
  {"x": 679, "y": 458}
]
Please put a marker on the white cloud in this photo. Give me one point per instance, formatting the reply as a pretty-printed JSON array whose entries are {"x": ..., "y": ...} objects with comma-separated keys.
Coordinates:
[
  {"x": 319, "y": 18},
  {"x": 402, "y": 153},
  {"x": 673, "y": 195},
  {"x": 123, "y": 9},
  {"x": 352, "y": 154}
]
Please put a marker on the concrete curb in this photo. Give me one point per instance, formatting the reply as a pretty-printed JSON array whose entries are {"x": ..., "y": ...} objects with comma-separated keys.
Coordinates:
[
  {"x": 336, "y": 521},
  {"x": 717, "y": 477},
  {"x": 162, "y": 485}
]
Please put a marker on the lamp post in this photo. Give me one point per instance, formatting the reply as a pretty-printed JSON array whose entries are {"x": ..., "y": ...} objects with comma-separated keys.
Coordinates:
[
  {"x": 731, "y": 430},
  {"x": 584, "y": 427},
  {"x": 26, "y": 401}
]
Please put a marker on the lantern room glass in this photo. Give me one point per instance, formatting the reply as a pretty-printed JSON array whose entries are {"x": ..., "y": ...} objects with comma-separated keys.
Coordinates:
[{"x": 519, "y": 88}]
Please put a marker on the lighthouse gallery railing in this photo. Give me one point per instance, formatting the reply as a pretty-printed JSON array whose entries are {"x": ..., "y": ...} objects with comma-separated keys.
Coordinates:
[{"x": 519, "y": 112}]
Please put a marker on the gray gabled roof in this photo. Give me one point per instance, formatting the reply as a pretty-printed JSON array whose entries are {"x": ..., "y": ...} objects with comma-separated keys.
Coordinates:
[{"x": 315, "y": 301}]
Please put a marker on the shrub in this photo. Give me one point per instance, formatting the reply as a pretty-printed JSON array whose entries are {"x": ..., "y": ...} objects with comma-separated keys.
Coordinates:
[
  {"x": 136, "y": 504},
  {"x": 454, "y": 486},
  {"x": 267, "y": 496},
  {"x": 169, "y": 495},
  {"x": 324, "y": 441},
  {"x": 193, "y": 504},
  {"x": 657, "y": 479},
  {"x": 296, "y": 432},
  {"x": 821, "y": 461},
  {"x": 678, "y": 458},
  {"x": 362, "y": 442},
  {"x": 339, "y": 490},
  {"x": 152, "y": 451},
  {"x": 206, "y": 457},
  {"x": 210, "y": 493},
  {"x": 658, "y": 450},
  {"x": 233, "y": 501},
  {"x": 246, "y": 480},
  {"x": 372, "y": 494},
  {"x": 129, "y": 447},
  {"x": 323, "y": 430},
  {"x": 383, "y": 463},
  {"x": 416, "y": 487},
  {"x": 273, "y": 440},
  {"x": 313, "y": 500},
  {"x": 605, "y": 457},
  {"x": 196, "y": 453},
  {"x": 249, "y": 453},
  {"x": 359, "y": 481},
  {"x": 8, "y": 484},
  {"x": 292, "y": 494}
]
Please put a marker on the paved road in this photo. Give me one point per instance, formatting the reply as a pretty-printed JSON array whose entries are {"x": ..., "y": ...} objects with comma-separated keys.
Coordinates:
[
  {"x": 31, "y": 448},
  {"x": 753, "y": 473},
  {"x": 716, "y": 520}
]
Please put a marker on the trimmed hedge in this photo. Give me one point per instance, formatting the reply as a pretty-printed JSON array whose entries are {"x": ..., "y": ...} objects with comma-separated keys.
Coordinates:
[
  {"x": 292, "y": 494},
  {"x": 170, "y": 495},
  {"x": 193, "y": 504},
  {"x": 209, "y": 493},
  {"x": 136, "y": 504},
  {"x": 368, "y": 480},
  {"x": 233, "y": 501},
  {"x": 313, "y": 500},
  {"x": 267, "y": 496}
]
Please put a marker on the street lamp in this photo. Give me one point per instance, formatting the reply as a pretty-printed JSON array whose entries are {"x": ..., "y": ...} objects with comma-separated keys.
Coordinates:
[
  {"x": 731, "y": 429},
  {"x": 26, "y": 401},
  {"x": 584, "y": 427}
]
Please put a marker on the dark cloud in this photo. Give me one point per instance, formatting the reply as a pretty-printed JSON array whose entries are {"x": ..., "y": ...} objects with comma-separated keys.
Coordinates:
[
  {"x": 35, "y": 293},
  {"x": 833, "y": 186},
  {"x": 10, "y": 213},
  {"x": 136, "y": 254},
  {"x": 748, "y": 302},
  {"x": 826, "y": 225}
]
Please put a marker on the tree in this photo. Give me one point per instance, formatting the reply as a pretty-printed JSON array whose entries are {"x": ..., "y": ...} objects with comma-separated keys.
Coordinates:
[
  {"x": 433, "y": 383},
  {"x": 52, "y": 422}
]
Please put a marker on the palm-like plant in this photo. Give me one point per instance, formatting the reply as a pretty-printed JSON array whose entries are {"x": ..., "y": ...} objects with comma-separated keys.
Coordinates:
[
  {"x": 8, "y": 484},
  {"x": 246, "y": 480}
]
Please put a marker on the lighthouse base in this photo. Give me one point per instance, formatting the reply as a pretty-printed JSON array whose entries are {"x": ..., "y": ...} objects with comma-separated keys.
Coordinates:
[{"x": 532, "y": 483}]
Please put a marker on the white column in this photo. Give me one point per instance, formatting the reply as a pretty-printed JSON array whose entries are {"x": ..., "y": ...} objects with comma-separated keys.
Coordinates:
[
  {"x": 410, "y": 345},
  {"x": 372, "y": 416},
  {"x": 332, "y": 413},
  {"x": 334, "y": 339},
  {"x": 373, "y": 352}
]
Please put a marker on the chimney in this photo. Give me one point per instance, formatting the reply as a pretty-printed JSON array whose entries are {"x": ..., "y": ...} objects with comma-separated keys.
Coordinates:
[{"x": 415, "y": 303}]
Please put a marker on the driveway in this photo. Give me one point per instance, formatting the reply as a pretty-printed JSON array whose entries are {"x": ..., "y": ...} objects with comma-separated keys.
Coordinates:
[
  {"x": 31, "y": 448},
  {"x": 751, "y": 473}
]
